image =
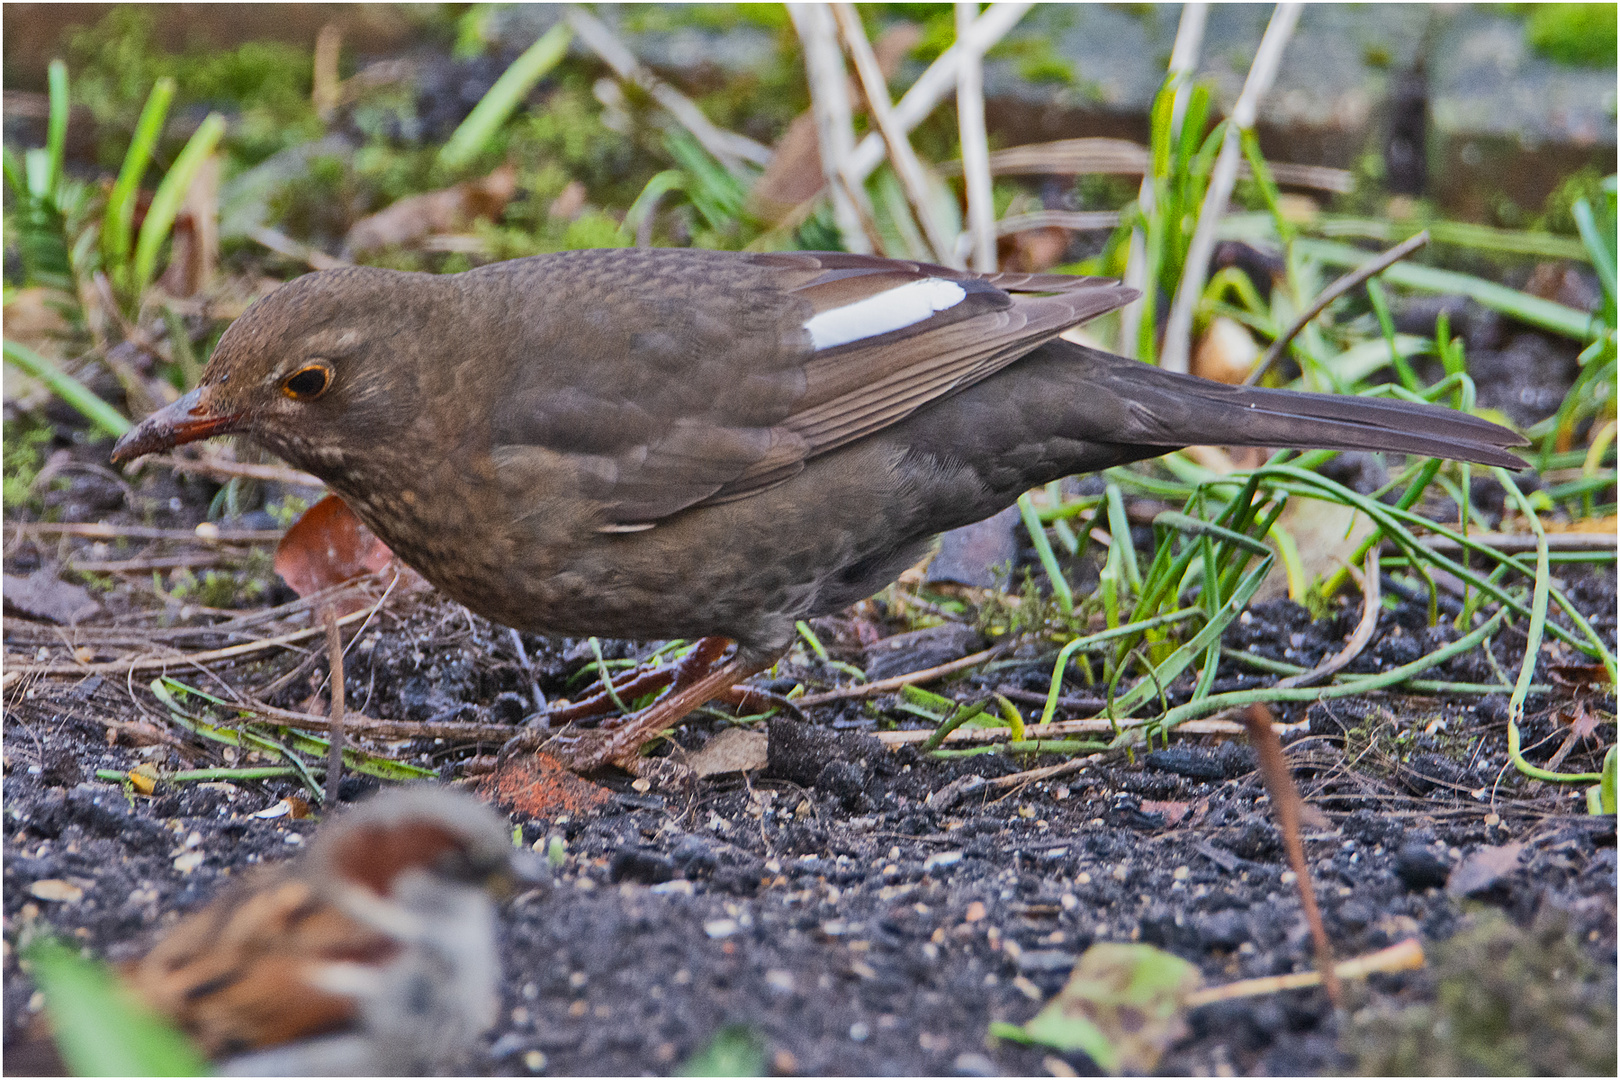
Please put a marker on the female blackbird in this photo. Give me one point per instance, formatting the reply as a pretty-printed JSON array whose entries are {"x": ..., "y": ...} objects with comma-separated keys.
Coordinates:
[{"x": 674, "y": 443}]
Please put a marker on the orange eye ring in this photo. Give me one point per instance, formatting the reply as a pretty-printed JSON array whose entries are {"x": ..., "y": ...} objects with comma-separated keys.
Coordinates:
[{"x": 308, "y": 382}]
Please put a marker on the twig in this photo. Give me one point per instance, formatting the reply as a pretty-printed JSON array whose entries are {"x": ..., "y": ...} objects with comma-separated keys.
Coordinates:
[
  {"x": 334, "y": 749},
  {"x": 937, "y": 81},
  {"x": 901, "y": 155},
  {"x": 1047, "y": 772},
  {"x": 101, "y": 530},
  {"x": 884, "y": 686},
  {"x": 162, "y": 663},
  {"x": 1330, "y": 294},
  {"x": 359, "y": 724},
  {"x": 1183, "y": 59},
  {"x": 1287, "y": 806},
  {"x": 835, "y": 126},
  {"x": 1402, "y": 956},
  {"x": 1178, "y": 331},
  {"x": 1358, "y": 640},
  {"x": 246, "y": 470},
  {"x": 282, "y": 244},
  {"x": 1073, "y": 220},
  {"x": 975, "y": 143},
  {"x": 730, "y": 148},
  {"x": 1516, "y": 543},
  {"x": 1099, "y": 725}
]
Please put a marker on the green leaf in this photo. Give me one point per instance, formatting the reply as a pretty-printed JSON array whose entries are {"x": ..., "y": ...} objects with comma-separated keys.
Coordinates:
[
  {"x": 734, "y": 1051},
  {"x": 1122, "y": 1006},
  {"x": 166, "y": 202},
  {"x": 118, "y": 230},
  {"x": 501, "y": 99},
  {"x": 99, "y": 1028}
]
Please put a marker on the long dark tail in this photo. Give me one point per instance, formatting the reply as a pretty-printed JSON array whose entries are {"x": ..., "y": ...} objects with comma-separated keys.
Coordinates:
[{"x": 1146, "y": 405}]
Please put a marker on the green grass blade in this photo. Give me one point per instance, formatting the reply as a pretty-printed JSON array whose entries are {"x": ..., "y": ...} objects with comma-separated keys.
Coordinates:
[
  {"x": 69, "y": 389},
  {"x": 166, "y": 203},
  {"x": 56, "y": 128},
  {"x": 1043, "y": 548},
  {"x": 99, "y": 1027},
  {"x": 492, "y": 110},
  {"x": 1558, "y": 318},
  {"x": 117, "y": 231}
]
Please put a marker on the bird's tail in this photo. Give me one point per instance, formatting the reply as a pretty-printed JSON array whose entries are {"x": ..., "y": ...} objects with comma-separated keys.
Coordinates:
[{"x": 1153, "y": 407}]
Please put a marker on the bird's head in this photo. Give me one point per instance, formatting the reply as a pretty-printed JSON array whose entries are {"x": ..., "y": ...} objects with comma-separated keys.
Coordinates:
[{"x": 326, "y": 362}]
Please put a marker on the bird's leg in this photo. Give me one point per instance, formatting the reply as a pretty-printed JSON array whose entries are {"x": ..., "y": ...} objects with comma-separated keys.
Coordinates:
[{"x": 620, "y": 744}]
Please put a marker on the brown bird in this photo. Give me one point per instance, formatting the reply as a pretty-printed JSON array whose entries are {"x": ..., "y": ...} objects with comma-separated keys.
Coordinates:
[
  {"x": 681, "y": 443},
  {"x": 373, "y": 953}
]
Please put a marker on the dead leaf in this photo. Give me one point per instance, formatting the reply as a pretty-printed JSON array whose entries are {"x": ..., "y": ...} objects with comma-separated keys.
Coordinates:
[
  {"x": 733, "y": 750},
  {"x": 1484, "y": 868},
  {"x": 1123, "y": 1006},
  {"x": 417, "y": 217},
  {"x": 1226, "y": 352},
  {"x": 328, "y": 545},
  {"x": 44, "y": 597},
  {"x": 1173, "y": 811}
]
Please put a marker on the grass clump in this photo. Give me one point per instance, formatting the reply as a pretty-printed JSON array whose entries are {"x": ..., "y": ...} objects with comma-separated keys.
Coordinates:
[{"x": 1507, "y": 1002}]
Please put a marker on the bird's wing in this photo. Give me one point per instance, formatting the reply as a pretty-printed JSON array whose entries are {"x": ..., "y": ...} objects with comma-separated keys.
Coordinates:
[
  {"x": 240, "y": 974},
  {"x": 679, "y": 378}
]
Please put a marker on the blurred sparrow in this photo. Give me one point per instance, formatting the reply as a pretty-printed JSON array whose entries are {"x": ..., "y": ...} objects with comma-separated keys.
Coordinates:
[{"x": 372, "y": 953}]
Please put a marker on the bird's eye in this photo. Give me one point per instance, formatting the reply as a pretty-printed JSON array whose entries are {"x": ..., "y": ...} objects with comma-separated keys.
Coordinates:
[{"x": 308, "y": 382}]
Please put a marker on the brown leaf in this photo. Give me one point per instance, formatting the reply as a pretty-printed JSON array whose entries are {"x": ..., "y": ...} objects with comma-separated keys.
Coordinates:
[
  {"x": 1173, "y": 811},
  {"x": 1483, "y": 869},
  {"x": 416, "y": 217},
  {"x": 326, "y": 546},
  {"x": 733, "y": 750},
  {"x": 45, "y": 597}
]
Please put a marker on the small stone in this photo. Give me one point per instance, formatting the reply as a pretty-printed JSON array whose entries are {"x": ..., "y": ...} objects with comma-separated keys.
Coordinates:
[{"x": 56, "y": 890}]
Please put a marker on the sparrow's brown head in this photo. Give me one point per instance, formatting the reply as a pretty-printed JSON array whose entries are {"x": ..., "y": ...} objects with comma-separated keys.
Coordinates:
[{"x": 427, "y": 829}]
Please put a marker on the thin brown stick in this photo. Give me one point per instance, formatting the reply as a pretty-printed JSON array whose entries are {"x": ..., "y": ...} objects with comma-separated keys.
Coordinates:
[
  {"x": 883, "y": 686},
  {"x": 1349, "y": 281},
  {"x": 1358, "y": 640},
  {"x": 1287, "y": 806},
  {"x": 334, "y": 750},
  {"x": 360, "y": 724},
  {"x": 160, "y": 663}
]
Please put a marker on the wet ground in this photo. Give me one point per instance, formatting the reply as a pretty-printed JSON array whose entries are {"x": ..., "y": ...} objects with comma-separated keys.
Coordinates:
[{"x": 830, "y": 902}]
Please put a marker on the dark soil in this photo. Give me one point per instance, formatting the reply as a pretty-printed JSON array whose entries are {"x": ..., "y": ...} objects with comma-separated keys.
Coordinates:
[{"x": 823, "y": 902}]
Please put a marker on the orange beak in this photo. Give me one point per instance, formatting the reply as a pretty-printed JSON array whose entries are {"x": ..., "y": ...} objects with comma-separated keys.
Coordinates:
[{"x": 186, "y": 420}]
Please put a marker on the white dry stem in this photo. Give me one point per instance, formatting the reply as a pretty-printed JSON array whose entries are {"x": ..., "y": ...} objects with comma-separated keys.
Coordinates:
[
  {"x": 1183, "y": 61},
  {"x": 1178, "y": 331},
  {"x": 728, "y": 147},
  {"x": 975, "y": 144},
  {"x": 835, "y": 126},
  {"x": 906, "y": 164},
  {"x": 940, "y": 78}
]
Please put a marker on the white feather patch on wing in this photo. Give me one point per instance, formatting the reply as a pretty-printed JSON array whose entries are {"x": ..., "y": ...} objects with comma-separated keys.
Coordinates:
[{"x": 887, "y": 311}]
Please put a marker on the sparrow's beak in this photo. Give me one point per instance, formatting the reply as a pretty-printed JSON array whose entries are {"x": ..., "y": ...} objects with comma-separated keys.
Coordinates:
[{"x": 186, "y": 420}]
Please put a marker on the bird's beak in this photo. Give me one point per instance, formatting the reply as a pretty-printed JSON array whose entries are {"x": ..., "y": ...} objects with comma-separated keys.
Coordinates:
[{"x": 186, "y": 420}]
